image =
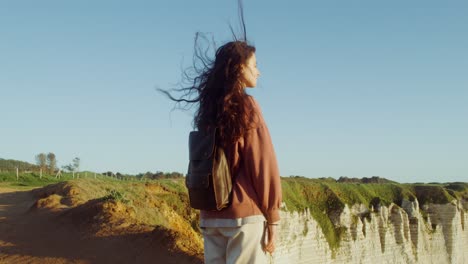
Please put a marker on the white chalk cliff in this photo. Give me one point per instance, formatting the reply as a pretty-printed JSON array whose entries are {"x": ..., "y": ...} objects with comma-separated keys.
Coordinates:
[{"x": 393, "y": 234}]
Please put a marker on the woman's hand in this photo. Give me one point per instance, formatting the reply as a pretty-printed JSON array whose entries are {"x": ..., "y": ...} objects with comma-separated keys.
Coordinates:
[{"x": 270, "y": 238}]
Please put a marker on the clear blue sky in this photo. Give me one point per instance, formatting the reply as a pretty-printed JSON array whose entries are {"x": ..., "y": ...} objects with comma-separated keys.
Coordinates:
[{"x": 347, "y": 89}]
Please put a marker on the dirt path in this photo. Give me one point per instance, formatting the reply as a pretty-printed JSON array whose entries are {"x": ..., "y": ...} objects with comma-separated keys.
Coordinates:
[{"x": 33, "y": 236}]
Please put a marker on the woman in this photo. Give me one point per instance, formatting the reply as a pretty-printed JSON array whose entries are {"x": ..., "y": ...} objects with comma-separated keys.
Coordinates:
[
  {"x": 246, "y": 230},
  {"x": 234, "y": 235}
]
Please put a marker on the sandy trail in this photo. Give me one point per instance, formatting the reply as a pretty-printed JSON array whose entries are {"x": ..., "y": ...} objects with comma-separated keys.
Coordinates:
[{"x": 33, "y": 236}]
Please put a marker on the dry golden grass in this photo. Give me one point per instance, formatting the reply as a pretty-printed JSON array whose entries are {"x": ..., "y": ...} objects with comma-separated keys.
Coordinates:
[{"x": 108, "y": 207}]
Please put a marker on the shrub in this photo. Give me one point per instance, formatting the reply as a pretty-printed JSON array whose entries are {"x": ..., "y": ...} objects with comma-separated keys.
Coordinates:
[{"x": 115, "y": 195}]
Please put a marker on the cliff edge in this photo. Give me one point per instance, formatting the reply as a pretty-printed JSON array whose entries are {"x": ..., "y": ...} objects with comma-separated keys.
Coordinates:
[{"x": 327, "y": 221}]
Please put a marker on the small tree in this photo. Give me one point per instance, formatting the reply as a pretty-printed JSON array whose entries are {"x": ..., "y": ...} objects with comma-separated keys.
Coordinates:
[
  {"x": 76, "y": 164},
  {"x": 68, "y": 167},
  {"x": 41, "y": 161},
  {"x": 51, "y": 162}
]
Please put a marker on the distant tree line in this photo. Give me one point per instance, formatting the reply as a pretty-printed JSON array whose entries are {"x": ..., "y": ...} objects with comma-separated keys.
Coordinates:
[
  {"x": 48, "y": 164},
  {"x": 160, "y": 175},
  {"x": 144, "y": 176},
  {"x": 345, "y": 179},
  {"x": 373, "y": 179},
  {"x": 117, "y": 175},
  {"x": 10, "y": 165}
]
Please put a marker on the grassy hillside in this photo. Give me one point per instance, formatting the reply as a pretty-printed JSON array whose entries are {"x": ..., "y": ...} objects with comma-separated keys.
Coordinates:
[
  {"x": 163, "y": 203},
  {"x": 143, "y": 197},
  {"x": 134, "y": 193},
  {"x": 106, "y": 207}
]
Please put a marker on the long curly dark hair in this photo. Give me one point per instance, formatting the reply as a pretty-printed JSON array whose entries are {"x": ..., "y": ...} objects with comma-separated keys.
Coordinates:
[
  {"x": 218, "y": 91},
  {"x": 216, "y": 88}
]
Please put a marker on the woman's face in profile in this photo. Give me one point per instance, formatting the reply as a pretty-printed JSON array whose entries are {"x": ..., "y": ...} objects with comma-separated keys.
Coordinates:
[{"x": 250, "y": 72}]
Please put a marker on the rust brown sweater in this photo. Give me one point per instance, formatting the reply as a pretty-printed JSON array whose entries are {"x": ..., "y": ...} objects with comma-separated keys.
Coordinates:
[{"x": 257, "y": 185}]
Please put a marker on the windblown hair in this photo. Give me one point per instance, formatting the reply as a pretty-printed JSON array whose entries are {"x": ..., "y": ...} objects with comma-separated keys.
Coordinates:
[
  {"x": 219, "y": 93},
  {"x": 217, "y": 89}
]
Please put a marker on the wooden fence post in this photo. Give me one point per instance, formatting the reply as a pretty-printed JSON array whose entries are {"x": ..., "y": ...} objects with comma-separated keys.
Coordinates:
[{"x": 17, "y": 174}]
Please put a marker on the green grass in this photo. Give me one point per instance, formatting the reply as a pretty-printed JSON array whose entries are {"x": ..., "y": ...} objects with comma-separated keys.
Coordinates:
[
  {"x": 324, "y": 198},
  {"x": 27, "y": 180},
  {"x": 116, "y": 196},
  {"x": 33, "y": 179}
]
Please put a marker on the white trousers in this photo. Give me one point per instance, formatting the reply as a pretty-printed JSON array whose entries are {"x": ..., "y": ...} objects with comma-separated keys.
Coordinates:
[{"x": 234, "y": 245}]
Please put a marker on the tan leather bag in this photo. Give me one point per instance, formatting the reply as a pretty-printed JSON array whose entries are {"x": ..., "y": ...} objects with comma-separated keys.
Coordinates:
[{"x": 208, "y": 179}]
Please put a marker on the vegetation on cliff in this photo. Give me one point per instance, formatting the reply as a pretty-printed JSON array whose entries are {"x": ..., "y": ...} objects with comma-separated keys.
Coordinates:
[
  {"x": 163, "y": 203},
  {"x": 326, "y": 198}
]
